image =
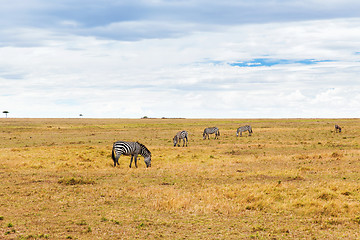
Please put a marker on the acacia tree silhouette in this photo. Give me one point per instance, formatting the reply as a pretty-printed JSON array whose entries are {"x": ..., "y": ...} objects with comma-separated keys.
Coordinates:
[{"x": 6, "y": 113}]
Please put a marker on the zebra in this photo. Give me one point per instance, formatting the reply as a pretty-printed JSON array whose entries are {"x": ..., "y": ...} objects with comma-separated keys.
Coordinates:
[
  {"x": 337, "y": 128},
  {"x": 244, "y": 129},
  {"x": 180, "y": 135},
  {"x": 133, "y": 149},
  {"x": 211, "y": 130}
]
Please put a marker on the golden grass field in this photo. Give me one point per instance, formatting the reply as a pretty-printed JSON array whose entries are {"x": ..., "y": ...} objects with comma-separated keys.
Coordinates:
[{"x": 292, "y": 179}]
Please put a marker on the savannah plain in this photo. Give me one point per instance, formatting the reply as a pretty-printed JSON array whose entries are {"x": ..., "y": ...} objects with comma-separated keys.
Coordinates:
[{"x": 292, "y": 179}]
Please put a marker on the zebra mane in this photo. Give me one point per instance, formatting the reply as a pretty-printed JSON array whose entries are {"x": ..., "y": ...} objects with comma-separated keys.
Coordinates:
[{"x": 143, "y": 147}]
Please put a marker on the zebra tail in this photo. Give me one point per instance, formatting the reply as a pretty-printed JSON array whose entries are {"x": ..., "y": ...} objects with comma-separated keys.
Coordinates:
[{"x": 113, "y": 154}]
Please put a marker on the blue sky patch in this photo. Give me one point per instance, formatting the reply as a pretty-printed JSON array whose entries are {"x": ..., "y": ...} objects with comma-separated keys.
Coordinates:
[{"x": 269, "y": 62}]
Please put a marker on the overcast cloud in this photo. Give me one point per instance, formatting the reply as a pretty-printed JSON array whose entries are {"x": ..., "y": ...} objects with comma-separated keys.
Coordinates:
[{"x": 177, "y": 58}]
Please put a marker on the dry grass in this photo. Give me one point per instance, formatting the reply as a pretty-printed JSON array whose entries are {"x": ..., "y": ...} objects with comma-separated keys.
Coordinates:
[{"x": 293, "y": 179}]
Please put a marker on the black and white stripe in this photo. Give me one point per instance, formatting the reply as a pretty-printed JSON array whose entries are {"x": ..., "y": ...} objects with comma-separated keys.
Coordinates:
[
  {"x": 244, "y": 129},
  {"x": 337, "y": 128},
  {"x": 181, "y": 135},
  {"x": 211, "y": 130},
  {"x": 133, "y": 149}
]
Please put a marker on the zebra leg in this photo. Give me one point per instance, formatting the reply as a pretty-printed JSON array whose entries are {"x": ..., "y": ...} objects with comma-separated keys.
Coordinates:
[
  {"x": 136, "y": 161},
  {"x": 186, "y": 141},
  {"x": 117, "y": 161},
  {"x": 132, "y": 156}
]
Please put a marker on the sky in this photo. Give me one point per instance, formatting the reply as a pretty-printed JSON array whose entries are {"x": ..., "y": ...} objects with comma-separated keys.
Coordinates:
[{"x": 180, "y": 58}]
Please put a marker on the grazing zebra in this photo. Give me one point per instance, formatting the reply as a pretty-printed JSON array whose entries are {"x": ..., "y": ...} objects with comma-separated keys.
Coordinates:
[
  {"x": 181, "y": 135},
  {"x": 337, "y": 128},
  {"x": 211, "y": 130},
  {"x": 133, "y": 149},
  {"x": 244, "y": 129}
]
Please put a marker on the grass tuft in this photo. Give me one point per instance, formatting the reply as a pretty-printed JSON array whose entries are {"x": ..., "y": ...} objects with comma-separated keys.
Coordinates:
[{"x": 75, "y": 181}]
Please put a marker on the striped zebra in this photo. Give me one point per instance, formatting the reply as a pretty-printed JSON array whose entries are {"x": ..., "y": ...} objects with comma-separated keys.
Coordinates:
[
  {"x": 211, "y": 130},
  {"x": 244, "y": 129},
  {"x": 180, "y": 135},
  {"x": 337, "y": 128},
  {"x": 133, "y": 149}
]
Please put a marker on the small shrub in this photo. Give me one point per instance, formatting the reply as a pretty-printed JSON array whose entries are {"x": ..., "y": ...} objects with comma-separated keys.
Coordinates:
[
  {"x": 82, "y": 223},
  {"x": 141, "y": 225},
  {"x": 116, "y": 222},
  {"x": 327, "y": 196},
  {"x": 75, "y": 181},
  {"x": 234, "y": 152},
  {"x": 357, "y": 219},
  {"x": 347, "y": 193},
  {"x": 336, "y": 155}
]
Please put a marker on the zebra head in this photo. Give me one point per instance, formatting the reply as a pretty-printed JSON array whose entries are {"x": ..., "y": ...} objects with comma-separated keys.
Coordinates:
[
  {"x": 148, "y": 161},
  {"x": 146, "y": 154}
]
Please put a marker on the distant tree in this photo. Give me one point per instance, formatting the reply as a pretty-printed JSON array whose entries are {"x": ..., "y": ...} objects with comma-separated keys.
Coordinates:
[
  {"x": 145, "y": 117},
  {"x": 6, "y": 113},
  {"x": 80, "y": 115}
]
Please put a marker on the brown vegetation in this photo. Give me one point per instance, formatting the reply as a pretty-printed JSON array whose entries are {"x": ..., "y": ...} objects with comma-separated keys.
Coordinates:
[{"x": 292, "y": 179}]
